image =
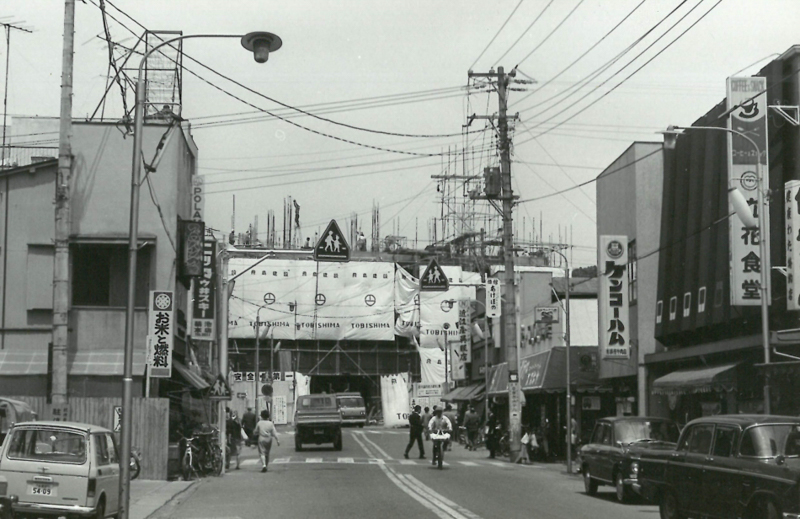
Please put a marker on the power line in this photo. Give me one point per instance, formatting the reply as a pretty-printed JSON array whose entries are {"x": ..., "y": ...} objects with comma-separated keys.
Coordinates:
[
  {"x": 524, "y": 32},
  {"x": 550, "y": 33},
  {"x": 590, "y": 49},
  {"x": 496, "y": 35}
]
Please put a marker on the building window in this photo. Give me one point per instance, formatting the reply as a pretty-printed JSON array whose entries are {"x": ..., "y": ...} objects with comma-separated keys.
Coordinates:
[
  {"x": 701, "y": 300},
  {"x": 687, "y": 304},
  {"x": 659, "y": 310},
  {"x": 633, "y": 287},
  {"x": 718, "y": 294},
  {"x": 100, "y": 275},
  {"x": 673, "y": 308}
]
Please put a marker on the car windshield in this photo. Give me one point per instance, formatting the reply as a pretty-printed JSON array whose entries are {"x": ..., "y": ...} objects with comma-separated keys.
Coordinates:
[
  {"x": 642, "y": 431},
  {"x": 317, "y": 402},
  {"x": 48, "y": 445},
  {"x": 767, "y": 441},
  {"x": 351, "y": 401}
]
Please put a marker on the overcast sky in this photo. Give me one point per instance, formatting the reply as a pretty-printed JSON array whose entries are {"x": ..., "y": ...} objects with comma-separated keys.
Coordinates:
[{"x": 348, "y": 50}]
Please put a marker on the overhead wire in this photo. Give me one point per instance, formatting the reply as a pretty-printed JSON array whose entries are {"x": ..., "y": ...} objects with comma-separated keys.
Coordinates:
[
  {"x": 496, "y": 35},
  {"x": 528, "y": 28},
  {"x": 553, "y": 31}
]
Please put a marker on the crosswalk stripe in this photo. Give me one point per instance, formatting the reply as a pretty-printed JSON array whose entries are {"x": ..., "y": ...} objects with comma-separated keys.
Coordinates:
[
  {"x": 278, "y": 460},
  {"x": 497, "y": 463},
  {"x": 346, "y": 460},
  {"x": 313, "y": 460},
  {"x": 247, "y": 463},
  {"x": 408, "y": 462},
  {"x": 469, "y": 463}
]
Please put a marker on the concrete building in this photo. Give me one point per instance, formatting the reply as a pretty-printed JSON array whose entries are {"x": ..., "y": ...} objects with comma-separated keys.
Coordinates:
[
  {"x": 100, "y": 201},
  {"x": 629, "y": 193}
]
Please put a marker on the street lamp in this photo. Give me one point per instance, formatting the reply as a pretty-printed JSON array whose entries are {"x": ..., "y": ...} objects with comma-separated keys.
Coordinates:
[
  {"x": 569, "y": 373},
  {"x": 260, "y": 43},
  {"x": 670, "y": 139}
]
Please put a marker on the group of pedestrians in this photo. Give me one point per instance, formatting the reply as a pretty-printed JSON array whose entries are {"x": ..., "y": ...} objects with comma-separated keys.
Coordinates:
[{"x": 252, "y": 431}]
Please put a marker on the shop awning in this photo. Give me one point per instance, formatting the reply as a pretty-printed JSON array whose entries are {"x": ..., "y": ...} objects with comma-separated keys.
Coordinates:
[
  {"x": 466, "y": 393},
  {"x": 104, "y": 363},
  {"x": 697, "y": 380},
  {"x": 194, "y": 380},
  {"x": 23, "y": 362},
  {"x": 498, "y": 380},
  {"x": 547, "y": 371}
]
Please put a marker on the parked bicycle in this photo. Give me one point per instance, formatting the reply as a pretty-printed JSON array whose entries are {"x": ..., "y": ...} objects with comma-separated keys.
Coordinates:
[
  {"x": 202, "y": 455},
  {"x": 504, "y": 445}
]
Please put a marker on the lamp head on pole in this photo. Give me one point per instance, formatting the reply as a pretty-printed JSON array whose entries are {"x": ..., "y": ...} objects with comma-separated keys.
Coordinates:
[
  {"x": 261, "y": 44},
  {"x": 670, "y": 136}
]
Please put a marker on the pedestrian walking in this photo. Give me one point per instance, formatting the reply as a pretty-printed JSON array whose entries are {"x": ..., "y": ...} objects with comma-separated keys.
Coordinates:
[
  {"x": 523, "y": 448},
  {"x": 233, "y": 431},
  {"x": 492, "y": 433},
  {"x": 249, "y": 420},
  {"x": 472, "y": 422},
  {"x": 415, "y": 432},
  {"x": 264, "y": 432},
  {"x": 426, "y": 417}
]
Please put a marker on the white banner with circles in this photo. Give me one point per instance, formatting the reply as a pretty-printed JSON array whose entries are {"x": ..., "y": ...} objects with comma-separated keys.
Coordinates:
[{"x": 306, "y": 300}]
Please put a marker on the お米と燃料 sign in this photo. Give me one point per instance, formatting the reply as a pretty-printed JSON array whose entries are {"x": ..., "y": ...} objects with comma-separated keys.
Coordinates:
[{"x": 160, "y": 329}]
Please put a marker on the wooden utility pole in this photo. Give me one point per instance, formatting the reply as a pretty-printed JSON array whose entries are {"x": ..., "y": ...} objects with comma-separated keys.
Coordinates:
[
  {"x": 62, "y": 224},
  {"x": 509, "y": 303}
]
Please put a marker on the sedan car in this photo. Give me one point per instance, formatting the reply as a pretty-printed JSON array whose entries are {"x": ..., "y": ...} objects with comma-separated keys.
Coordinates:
[
  {"x": 611, "y": 457},
  {"x": 61, "y": 469}
]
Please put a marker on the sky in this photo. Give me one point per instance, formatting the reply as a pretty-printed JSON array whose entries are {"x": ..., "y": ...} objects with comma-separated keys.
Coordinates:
[{"x": 604, "y": 78}]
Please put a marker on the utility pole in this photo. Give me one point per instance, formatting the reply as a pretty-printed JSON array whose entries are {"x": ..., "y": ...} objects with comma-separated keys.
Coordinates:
[
  {"x": 62, "y": 224},
  {"x": 509, "y": 306}
]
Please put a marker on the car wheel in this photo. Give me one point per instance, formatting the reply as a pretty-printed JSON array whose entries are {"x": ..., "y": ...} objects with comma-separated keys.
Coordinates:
[
  {"x": 589, "y": 484},
  {"x": 298, "y": 445},
  {"x": 623, "y": 493},
  {"x": 337, "y": 444},
  {"x": 100, "y": 511},
  {"x": 668, "y": 506}
]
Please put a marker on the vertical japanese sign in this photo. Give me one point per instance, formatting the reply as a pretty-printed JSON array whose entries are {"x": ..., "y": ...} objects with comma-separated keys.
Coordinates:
[
  {"x": 792, "y": 238},
  {"x": 465, "y": 330},
  {"x": 192, "y": 235},
  {"x": 203, "y": 300},
  {"x": 198, "y": 198},
  {"x": 613, "y": 312},
  {"x": 747, "y": 101},
  {"x": 160, "y": 329},
  {"x": 492, "y": 297}
]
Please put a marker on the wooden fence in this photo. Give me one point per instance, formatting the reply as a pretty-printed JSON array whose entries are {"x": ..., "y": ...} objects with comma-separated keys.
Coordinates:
[{"x": 150, "y": 425}]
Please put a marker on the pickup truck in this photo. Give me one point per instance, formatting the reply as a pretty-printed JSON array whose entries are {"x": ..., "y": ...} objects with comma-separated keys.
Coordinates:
[
  {"x": 727, "y": 466},
  {"x": 317, "y": 420}
]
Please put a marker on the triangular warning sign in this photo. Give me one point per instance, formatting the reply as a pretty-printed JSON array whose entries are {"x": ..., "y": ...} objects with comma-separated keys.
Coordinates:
[
  {"x": 434, "y": 279},
  {"x": 331, "y": 245},
  {"x": 220, "y": 390}
]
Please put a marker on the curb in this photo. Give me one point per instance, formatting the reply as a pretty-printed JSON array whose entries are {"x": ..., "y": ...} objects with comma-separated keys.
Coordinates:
[{"x": 173, "y": 500}]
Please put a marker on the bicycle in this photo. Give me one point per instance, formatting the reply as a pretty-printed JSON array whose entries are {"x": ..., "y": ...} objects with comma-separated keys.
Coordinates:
[
  {"x": 439, "y": 438},
  {"x": 201, "y": 456},
  {"x": 136, "y": 465}
]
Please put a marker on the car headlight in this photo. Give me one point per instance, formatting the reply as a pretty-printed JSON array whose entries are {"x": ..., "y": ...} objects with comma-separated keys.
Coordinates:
[{"x": 634, "y": 470}]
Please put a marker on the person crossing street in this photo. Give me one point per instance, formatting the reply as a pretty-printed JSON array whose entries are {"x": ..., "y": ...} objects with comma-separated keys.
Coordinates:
[
  {"x": 415, "y": 432},
  {"x": 264, "y": 432}
]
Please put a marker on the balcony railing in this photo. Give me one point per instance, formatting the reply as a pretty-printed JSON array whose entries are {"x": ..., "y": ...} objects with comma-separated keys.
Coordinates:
[{"x": 14, "y": 156}]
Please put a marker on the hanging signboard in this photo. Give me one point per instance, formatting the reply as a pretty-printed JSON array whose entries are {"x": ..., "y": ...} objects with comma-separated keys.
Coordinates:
[
  {"x": 198, "y": 198},
  {"x": 465, "y": 330},
  {"x": 747, "y": 102},
  {"x": 613, "y": 319},
  {"x": 203, "y": 300},
  {"x": 792, "y": 198},
  {"x": 160, "y": 329},
  {"x": 492, "y": 297}
]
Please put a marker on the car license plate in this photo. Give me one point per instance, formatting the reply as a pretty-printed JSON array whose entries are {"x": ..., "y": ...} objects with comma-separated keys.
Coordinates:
[
  {"x": 42, "y": 490},
  {"x": 319, "y": 431}
]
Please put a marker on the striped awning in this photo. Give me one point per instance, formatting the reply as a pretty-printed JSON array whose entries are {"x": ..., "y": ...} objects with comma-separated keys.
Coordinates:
[
  {"x": 23, "y": 362},
  {"x": 698, "y": 380},
  {"x": 104, "y": 363},
  {"x": 466, "y": 393},
  {"x": 194, "y": 380}
]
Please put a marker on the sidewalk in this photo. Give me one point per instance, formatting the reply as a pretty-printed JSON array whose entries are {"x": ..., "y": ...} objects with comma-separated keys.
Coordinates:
[
  {"x": 147, "y": 496},
  {"x": 482, "y": 453}
]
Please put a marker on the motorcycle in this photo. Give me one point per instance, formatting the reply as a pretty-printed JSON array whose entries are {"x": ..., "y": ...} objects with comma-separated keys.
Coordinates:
[
  {"x": 440, "y": 439},
  {"x": 136, "y": 464}
]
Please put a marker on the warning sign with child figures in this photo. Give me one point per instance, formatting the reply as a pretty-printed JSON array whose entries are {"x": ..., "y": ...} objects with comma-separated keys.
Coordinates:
[{"x": 331, "y": 245}]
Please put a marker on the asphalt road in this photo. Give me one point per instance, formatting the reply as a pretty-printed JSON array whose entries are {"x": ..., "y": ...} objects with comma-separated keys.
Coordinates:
[{"x": 370, "y": 478}]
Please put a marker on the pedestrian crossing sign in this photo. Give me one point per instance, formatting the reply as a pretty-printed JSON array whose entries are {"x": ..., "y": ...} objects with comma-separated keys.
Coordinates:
[
  {"x": 331, "y": 245},
  {"x": 434, "y": 279},
  {"x": 220, "y": 390}
]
